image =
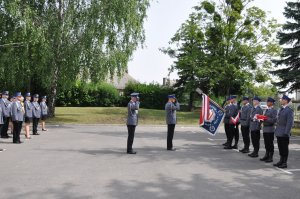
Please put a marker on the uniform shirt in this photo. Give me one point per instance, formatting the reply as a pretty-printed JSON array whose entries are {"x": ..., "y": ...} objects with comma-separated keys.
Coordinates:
[
  {"x": 231, "y": 110},
  {"x": 44, "y": 108},
  {"x": 6, "y": 107},
  {"x": 171, "y": 109},
  {"x": 132, "y": 115},
  {"x": 36, "y": 110},
  {"x": 255, "y": 125},
  {"x": 285, "y": 122},
  {"x": 269, "y": 124},
  {"x": 28, "y": 109},
  {"x": 245, "y": 115},
  {"x": 17, "y": 111}
]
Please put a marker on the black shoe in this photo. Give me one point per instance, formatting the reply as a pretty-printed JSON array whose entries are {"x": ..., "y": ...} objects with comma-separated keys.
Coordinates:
[
  {"x": 253, "y": 155},
  {"x": 270, "y": 158},
  {"x": 5, "y": 137},
  {"x": 265, "y": 157},
  {"x": 279, "y": 162},
  {"x": 35, "y": 134},
  {"x": 283, "y": 166},
  {"x": 246, "y": 151},
  {"x": 234, "y": 147},
  {"x": 228, "y": 147},
  {"x": 242, "y": 150},
  {"x": 1, "y": 150},
  {"x": 172, "y": 149},
  {"x": 225, "y": 144},
  {"x": 131, "y": 152}
]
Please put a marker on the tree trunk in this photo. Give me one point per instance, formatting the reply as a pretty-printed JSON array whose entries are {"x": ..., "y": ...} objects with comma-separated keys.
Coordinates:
[
  {"x": 191, "y": 101},
  {"x": 53, "y": 93}
]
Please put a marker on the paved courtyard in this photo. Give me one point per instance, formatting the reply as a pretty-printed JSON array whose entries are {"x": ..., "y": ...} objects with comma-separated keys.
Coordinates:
[{"x": 89, "y": 162}]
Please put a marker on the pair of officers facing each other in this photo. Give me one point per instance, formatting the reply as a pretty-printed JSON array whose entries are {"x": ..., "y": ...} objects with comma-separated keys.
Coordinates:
[
  {"x": 278, "y": 123},
  {"x": 132, "y": 120}
]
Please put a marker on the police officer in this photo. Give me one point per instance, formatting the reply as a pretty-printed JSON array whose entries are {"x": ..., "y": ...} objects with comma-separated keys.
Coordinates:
[
  {"x": 285, "y": 123},
  {"x": 28, "y": 114},
  {"x": 171, "y": 107},
  {"x": 6, "y": 110},
  {"x": 44, "y": 110},
  {"x": 236, "y": 134},
  {"x": 1, "y": 123},
  {"x": 255, "y": 126},
  {"x": 132, "y": 121},
  {"x": 245, "y": 123},
  {"x": 268, "y": 130},
  {"x": 36, "y": 114},
  {"x": 231, "y": 111},
  {"x": 17, "y": 118}
]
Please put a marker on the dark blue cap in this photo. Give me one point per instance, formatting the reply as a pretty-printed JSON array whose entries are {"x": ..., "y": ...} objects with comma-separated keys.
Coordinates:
[
  {"x": 256, "y": 98},
  {"x": 231, "y": 97},
  {"x": 27, "y": 95},
  {"x": 246, "y": 98},
  {"x": 44, "y": 97},
  {"x": 5, "y": 93},
  {"x": 172, "y": 96},
  {"x": 134, "y": 94},
  {"x": 270, "y": 99},
  {"x": 285, "y": 97},
  {"x": 35, "y": 96},
  {"x": 18, "y": 94}
]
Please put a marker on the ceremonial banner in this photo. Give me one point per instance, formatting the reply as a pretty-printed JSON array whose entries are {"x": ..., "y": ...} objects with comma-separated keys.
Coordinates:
[{"x": 211, "y": 115}]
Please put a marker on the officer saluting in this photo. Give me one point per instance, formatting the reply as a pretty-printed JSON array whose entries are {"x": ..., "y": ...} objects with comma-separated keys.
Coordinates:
[
  {"x": 6, "y": 109},
  {"x": 268, "y": 130},
  {"x": 245, "y": 123},
  {"x": 171, "y": 107},
  {"x": 132, "y": 120},
  {"x": 285, "y": 123},
  {"x": 17, "y": 118},
  {"x": 255, "y": 126},
  {"x": 36, "y": 114}
]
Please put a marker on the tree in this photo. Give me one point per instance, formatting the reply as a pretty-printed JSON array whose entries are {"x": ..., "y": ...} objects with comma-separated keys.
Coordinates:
[
  {"x": 289, "y": 73},
  {"x": 55, "y": 42},
  {"x": 223, "y": 48}
]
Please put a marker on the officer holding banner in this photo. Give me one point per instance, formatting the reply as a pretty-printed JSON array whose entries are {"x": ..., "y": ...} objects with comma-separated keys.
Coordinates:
[
  {"x": 285, "y": 123},
  {"x": 255, "y": 126},
  {"x": 245, "y": 123},
  {"x": 132, "y": 121},
  {"x": 171, "y": 107}
]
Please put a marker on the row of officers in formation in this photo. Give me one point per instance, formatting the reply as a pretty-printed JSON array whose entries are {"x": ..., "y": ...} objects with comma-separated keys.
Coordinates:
[
  {"x": 253, "y": 119},
  {"x": 16, "y": 110},
  {"x": 132, "y": 120}
]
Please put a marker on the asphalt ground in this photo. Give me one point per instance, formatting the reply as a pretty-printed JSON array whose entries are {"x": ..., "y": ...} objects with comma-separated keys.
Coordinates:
[{"x": 89, "y": 162}]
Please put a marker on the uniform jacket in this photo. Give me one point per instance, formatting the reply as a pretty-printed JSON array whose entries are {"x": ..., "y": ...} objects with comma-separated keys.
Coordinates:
[
  {"x": 171, "y": 109},
  {"x": 245, "y": 115},
  {"x": 17, "y": 111},
  {"x": 269, "y": 124},
  {"x": 36, "y": 110},
  {"x": 255, "y": 125},
  {"x": 28, "y": 108},
  {"x": 231, "y": 110},
  {"x": 132, "y": 114},
  {"x": 285, "y": 122},
  {"x": 6, "y": 107},
  {"x": 44, "y": 108}
]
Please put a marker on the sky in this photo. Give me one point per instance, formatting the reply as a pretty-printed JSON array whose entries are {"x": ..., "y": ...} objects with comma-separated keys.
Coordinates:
[{"x": 148, "y": 64}]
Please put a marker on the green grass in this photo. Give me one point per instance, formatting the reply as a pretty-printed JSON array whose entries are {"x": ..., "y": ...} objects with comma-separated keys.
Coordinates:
[{"x": 116, "y": 115}]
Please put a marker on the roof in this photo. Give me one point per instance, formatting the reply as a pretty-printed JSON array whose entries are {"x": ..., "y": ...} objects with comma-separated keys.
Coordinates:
[{"x": 121, "y": 82}]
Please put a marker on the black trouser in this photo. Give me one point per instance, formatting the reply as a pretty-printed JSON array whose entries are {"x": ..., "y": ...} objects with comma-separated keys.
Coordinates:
[
  {"x": 17, "y": 131},
  {"x": 236, "y": 134},
  {"x": 246, "y": 137},
  {"x": 131, "y": 130},
  {"x": 255, "y": 137},
  {"x": 171, "y": 128},
  {"x": 35, "y": 122},
  {"x": 4, "y": 128},
  {"x": 226, "y": 127},
  {"x": 283, "y": 146},
  {"x": 269, "y": 142},
  {"x": 230, "y": 132}
]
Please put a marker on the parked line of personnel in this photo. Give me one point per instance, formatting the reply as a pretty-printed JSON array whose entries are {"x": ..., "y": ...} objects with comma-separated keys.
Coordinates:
[
  {"x": 132, "y": 120},
  {"x": 17, "y": 111},
  {"x": 251, "y": 118}
]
